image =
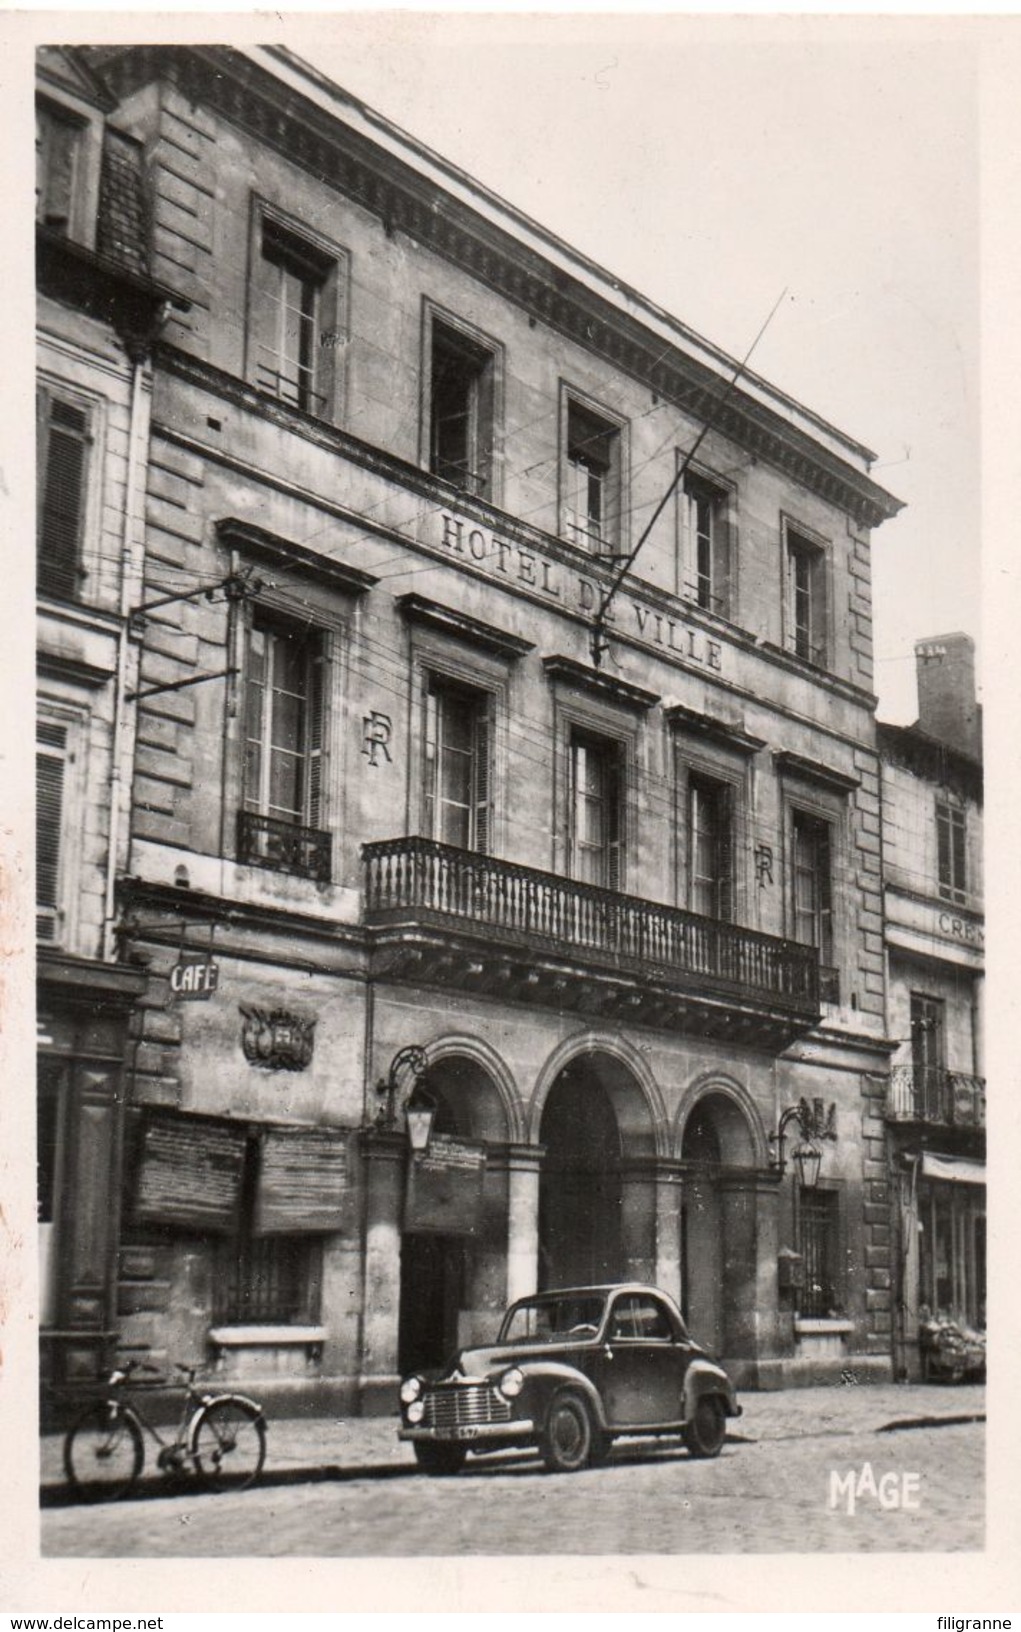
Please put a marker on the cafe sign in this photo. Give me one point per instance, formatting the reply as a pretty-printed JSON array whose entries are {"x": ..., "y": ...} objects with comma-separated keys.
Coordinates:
[{"x": 194, "y": 978}]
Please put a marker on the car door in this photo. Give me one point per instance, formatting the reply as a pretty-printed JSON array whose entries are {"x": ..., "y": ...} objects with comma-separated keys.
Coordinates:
[{"x": 640, "y": 1365}]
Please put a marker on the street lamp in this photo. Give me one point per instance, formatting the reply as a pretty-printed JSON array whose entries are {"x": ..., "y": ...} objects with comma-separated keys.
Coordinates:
[
  {"x": 404, "y": 1077},
  {"x": 814, "y": 1123}
]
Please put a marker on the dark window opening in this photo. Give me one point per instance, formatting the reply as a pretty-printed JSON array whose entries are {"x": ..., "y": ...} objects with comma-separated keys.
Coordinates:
[
  {"x": 271, "y": 1279},
  {"x": 461, "y": 410},
  {"x": 705, "y": 557},
  {"x": 457, "y": 765},
  {"x": 292, "y": 299},
  {"x": 57, "y": 148},
  {"x": 818, "y": 1218},
  {"x": 951, "y": 852},
  {"x": 593, "y": 480},
  {"x": 806, "y": 599}
]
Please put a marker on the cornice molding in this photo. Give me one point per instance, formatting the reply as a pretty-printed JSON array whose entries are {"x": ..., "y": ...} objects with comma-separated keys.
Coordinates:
[
  {"x": 575, "y": 674},
  {"x": 294, "y": 558},
  {"x": 707, "y": 725},
  {"x": 417, "y": 609},
  {"x": 811, "y": 770},
  {"x": 409, "y": 203}
]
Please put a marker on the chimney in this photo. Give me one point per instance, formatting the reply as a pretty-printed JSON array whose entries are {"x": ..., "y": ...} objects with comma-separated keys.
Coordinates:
[{"x": 947, "y": 706}]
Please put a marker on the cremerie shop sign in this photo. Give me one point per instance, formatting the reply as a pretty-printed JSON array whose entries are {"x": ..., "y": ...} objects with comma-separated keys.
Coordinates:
[{"x": 519, "y": 565}]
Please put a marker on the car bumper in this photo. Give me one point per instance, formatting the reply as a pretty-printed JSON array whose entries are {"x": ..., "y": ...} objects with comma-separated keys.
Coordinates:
[{"x": 480, "y": 1433}]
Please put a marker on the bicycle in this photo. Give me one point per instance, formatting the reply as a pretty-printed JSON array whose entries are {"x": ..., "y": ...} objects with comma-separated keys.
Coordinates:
[{"x": 220, "y": 1437}]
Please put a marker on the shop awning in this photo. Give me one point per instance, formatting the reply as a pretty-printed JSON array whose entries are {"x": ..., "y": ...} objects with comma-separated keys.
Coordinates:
[{"x": 958, "y": 1169}]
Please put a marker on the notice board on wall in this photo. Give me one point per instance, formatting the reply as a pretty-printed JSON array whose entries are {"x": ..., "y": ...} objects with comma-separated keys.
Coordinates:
[
  {"x": 190, "y": 1172},
  {"x": 304, "y": 1183},
  {"x": 444, "y": 1188}
]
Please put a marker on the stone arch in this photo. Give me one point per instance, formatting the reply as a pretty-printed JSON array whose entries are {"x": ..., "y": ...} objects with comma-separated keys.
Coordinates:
[
  {"x": 738, "y": 1123},
  {"x": 479, "y": 1085},
  {"x": 625, "y": 1076}
]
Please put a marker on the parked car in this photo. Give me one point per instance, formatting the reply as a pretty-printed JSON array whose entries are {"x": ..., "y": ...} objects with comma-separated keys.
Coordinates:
[{"x": 569, "y": 1372}]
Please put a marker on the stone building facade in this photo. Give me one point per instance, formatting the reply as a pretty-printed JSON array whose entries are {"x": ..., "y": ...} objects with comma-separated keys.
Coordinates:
[
  {"x": 935, "y": 939},
  {"x": 98, "y": 309},
  {"x": 438, "y": 794}
]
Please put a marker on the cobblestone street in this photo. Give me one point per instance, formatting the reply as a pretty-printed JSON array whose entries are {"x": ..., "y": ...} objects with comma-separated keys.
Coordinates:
[{"x": 771, "y": 1491}]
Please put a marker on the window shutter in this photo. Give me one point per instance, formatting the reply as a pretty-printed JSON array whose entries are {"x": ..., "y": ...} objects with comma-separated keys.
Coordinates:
[
  {"x": 482, "y": 768},
  {"x": 49, "y": 791},
  {"x": 725, "y": 850},
  {"x": 614, "y": 820},
  {"x": 316, "y": 733},
  {"x": 957, "y": 831},
  {"x": 824, "y": 884},
  {"x": 685, "y": 542},
  {"x": 62, "y": 461}
]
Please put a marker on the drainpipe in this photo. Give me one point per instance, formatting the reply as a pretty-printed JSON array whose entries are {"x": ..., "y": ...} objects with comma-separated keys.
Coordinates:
[{"x": 118, "y": 791}]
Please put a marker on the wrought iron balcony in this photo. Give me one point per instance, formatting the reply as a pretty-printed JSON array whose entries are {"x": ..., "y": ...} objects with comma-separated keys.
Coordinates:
[
  {"x": 448, "y": 916},
  {"x": 264, "y": 841},
  {"x": 950, "y": 1099}
]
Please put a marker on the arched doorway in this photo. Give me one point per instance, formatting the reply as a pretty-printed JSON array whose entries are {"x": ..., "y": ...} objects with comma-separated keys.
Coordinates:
[
  {"x": 594, "y": 1225},
  {"x": 716, "y": 1143},
  {"x": 453, "y": 1283}
]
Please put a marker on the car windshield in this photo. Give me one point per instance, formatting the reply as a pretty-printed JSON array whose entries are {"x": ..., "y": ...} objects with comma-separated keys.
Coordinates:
[{"x": 550, "y": 1320}]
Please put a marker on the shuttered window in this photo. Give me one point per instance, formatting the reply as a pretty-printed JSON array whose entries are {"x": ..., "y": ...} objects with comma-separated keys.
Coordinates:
[
  {"x": 50, "y": 763},
  {"x": 63, "y": 442},
  {"x": 458, "y": 731},
  {"x": 57, "y": 144}
]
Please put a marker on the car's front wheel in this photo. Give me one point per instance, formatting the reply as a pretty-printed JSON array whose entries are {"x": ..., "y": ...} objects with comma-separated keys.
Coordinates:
[
  {"x": 439, "y": 1459},
  {"x": 566, "y": 1441},
  {"x": 705, "y": 1433}
]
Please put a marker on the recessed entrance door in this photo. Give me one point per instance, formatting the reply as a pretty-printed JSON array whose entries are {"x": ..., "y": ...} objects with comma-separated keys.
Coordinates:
[
  {"x": 702, "y": 1261},
  {"x": 432, "y": 1281},
  {"x": 580, "y": 1187}
]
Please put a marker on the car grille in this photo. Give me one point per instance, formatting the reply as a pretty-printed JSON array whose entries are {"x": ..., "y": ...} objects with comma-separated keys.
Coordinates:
[{"x": 460, "y": 1405}]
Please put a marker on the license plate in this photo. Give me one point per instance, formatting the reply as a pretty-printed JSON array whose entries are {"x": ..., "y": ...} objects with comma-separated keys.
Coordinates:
[{"x": 465, "y": 1433}]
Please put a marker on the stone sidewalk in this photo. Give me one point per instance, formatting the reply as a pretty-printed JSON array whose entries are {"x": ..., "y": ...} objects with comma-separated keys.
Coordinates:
[{"x": 363, "y": 1447}]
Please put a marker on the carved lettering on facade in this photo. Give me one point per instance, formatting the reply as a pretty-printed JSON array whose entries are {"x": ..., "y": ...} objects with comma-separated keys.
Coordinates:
[{"x": 512, "y": 562}]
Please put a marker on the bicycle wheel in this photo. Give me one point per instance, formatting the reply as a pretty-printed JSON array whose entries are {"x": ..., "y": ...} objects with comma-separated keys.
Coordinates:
[
  {"x": 228, "y": 1444},
  {"x": 103, "y": 1452}
]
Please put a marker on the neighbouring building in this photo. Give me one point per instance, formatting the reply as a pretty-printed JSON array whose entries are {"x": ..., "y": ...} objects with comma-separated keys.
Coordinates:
[
  {"x": 439, "y": 795},
  {"x": 98, "y": 310},
  {"x": 936, "y": 1105}
]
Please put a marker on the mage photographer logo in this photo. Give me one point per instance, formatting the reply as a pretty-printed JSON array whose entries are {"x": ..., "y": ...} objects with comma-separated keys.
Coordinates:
[{"x": 889, "y": 1491}]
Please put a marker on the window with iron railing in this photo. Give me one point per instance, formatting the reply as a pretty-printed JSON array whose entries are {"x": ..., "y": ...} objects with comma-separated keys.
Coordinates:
[
  {"x": 811, "y": 883},
  {"x": 284, "y": 720},
  {"x": 592, "y": 479},
  {"x": 710, "y": 847},
  {"x": 295, "y": 317},
  {"x": 818, "y": 1225},
  {"x": 596, "y": 816}
]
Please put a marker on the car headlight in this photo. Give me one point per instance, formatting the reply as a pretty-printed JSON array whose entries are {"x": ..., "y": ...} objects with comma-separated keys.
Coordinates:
[
  {"x": 411, "y": 1388},
  {"x": 415, "y": 1411},
  {"x": 511, "y": 1383}
]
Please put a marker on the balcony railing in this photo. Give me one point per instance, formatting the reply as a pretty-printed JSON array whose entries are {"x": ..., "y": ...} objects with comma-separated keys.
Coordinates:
[
  {"x": 932, "y": 1094},
  {"x": 420, "y": 880},
  {"x": 264, "y": 841}
]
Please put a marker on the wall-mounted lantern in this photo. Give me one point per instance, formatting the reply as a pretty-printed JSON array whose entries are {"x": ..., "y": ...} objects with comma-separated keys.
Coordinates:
[
  {"x": 815, "y": 1123},
  {"x": 404, "y": 1080}
]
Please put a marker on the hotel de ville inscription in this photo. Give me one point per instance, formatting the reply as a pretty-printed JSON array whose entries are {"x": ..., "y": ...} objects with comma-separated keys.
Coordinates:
[{"x": 527, "y": 568}]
